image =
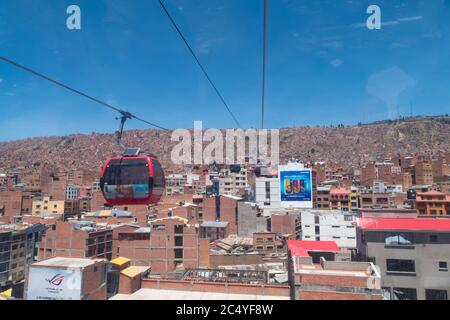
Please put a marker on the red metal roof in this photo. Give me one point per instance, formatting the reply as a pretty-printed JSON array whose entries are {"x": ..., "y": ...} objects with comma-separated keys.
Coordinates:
[
  {"x": 413, "y": 224},
  {"x": 300, "y": 248}
]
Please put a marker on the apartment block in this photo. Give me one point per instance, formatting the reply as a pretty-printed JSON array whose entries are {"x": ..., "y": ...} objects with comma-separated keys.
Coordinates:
[
  {"x": 332, "y": 225},
  {"x": 375, "y": 200},
  {"x": 169, "y": 243},
  {"x": 433, "y": 203},
  {"x": 46, "y": 205},
  {"x": 18, "y": 248},
  {"x": 267, "y": 194},
  {"x": 76, "y": 239},
  {"x": 340, "y": 199},
  {"x": 412, "y": 254},
  {"x": 322, "y": 200}
]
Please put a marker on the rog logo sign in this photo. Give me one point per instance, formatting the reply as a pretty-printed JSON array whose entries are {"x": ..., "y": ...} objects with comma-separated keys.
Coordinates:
[{"x": 56, "y": 280}]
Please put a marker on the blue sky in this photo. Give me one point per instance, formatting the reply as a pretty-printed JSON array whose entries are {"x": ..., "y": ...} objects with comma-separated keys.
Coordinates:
[{"x": 324, "y": 66}]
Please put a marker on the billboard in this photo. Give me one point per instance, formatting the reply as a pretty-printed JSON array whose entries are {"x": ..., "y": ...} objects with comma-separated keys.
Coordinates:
[
  {"x": 54, "y": 284},
  {"x": 296, "y": 188}
]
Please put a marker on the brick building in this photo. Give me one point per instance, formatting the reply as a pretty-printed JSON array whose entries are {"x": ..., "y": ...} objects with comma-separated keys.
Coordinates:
[
  {"x": 167, "y": 244},
  {"x": 76, "y": 239}
]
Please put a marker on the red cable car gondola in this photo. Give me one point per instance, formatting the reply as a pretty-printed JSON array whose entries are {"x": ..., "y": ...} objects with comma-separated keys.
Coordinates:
[{"x": 133, "y": 179}]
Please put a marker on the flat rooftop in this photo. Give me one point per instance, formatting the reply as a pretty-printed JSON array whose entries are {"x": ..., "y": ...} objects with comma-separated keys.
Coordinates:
[
  {"x": 157, "y": 294},
  {"x": 411, "y": 224},
  {"x": 66, "y": 262}
]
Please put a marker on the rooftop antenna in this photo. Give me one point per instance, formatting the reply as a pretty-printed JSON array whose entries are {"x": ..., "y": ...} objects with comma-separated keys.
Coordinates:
[{"x": 411, "y": 109}]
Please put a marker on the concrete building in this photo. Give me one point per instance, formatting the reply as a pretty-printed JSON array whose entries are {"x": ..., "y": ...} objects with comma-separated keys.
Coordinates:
[
  {"x": 332, "y": 225},
  {"x": 378, "y": 200},
  {"x": 322, "y": 201},
  {"x": 340, "y": 199},
  {"x": 267, "y": 194},
  {"x": 379, "y": 187},
  {"x": 67, "y": 279},
  {"x": 232, "y": 183},
  {"x": 72, "y": 192},
  {"x": 46, "y": 205},
  {"x": 412, "y": 254},
  {"x": 18, "y": 248},
  {"x": 250, "y": 219},
  {"x": 175, "y": 184},
  {"x": 213, "y": 230},
  {"x": 314, "y": 275}
]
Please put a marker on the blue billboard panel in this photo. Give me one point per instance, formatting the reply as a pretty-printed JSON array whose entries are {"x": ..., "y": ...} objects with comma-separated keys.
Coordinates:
[{"x": 296, "y": 186}]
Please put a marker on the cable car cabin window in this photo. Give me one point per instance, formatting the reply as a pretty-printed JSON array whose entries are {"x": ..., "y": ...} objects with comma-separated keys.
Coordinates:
[
  {"x": 127, "y": 178},
  {"x": 158, "y": 178}
]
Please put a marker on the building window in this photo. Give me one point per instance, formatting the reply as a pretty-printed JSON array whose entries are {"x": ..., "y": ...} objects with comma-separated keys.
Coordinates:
[
  {"x": 401, "y": 266},
  {"x": 443, "y": 266},
  {"x": 178, "y": 241},
  {"x": 178, "y": 229},
  {"x": 178, "y": 253},
  {"x": 431, "y": 294},
  {"x": 404, "y": 294},
  {"x": 398, "y": 239},
  {"x": 433, "y": 238}
]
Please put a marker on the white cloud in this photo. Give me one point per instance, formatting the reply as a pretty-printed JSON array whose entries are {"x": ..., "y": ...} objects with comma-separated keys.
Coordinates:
[{"x": 336, "y": 63}]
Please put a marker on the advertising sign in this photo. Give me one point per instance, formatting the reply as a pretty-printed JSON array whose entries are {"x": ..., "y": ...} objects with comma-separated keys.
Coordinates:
[
  {"x": 54, "y": 284},
  {"x": 296, "y": 189}
]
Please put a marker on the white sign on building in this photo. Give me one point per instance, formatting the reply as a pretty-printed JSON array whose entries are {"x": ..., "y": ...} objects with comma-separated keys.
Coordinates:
[{"x": 54, "y": 284}]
